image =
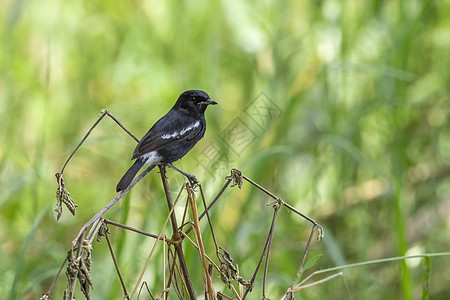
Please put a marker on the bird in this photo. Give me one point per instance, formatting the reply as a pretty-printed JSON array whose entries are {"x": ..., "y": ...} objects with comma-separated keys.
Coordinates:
[{"x": 172, "y": 136}]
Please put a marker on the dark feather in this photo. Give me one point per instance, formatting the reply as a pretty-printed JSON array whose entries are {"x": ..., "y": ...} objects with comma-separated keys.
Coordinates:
[
  {"x": 172, "y": 136},
  {"x": 173, "y": 121}
]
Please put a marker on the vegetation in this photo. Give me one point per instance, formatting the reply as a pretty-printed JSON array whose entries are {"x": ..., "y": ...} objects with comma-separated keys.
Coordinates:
[{"x": 358, "y": 137}]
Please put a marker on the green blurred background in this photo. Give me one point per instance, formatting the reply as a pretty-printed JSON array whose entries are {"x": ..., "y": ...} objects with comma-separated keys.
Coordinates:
[{"x": 360, "y": 140}]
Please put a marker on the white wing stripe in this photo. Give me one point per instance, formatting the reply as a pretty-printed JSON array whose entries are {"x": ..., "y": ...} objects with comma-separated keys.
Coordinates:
[{"x": 182, "y": 132}]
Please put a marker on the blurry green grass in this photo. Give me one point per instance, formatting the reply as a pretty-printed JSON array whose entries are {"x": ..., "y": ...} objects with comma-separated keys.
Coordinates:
[{"x": 362, "y": 144}]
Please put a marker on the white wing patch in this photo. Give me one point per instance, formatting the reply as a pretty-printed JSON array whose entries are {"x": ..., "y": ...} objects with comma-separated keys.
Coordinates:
[{"x": 182, "y": 132}]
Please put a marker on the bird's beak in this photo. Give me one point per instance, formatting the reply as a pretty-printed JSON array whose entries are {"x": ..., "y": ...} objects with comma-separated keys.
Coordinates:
[{"x": 209, "y": 102}]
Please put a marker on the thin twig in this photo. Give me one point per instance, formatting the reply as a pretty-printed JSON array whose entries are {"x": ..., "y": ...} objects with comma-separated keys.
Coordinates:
[
  {"x": 176, "y": 235},
  {"x": 296, "y": 289},
  {"x": 375, "y": 261},
  {"x": 277, "y": 198},
  {"x": 266, "y": 267},
  {"x": 93, "y": 227},
  {"x": 315, "y": 224},
  {"x": 56, "y": 278},
  {"x": 123, "y": 127},
  {"x": 212, "y": 203},
  {"x": 299, "y": 213},
  {"x": 119, "y": 196},
  {"x": 103, "y": 114},
  {"x": 117, "y": 267},
  {"x": 164, "y": 295},
  {"x": 174, "y": 255},
  {"x": 304, "y": 255},
  {"x": 191, "y": 198},
  {"x": 79, "y": 243},
  {"x": 221, "y": 295},
  {"x": 177, "y": 272},
  {"x": 93, "y": 234},
  {"x": 206, "y": 211},
  {"x": 266, "y": 247},
  {"x": 148, "y": 290},
  {"x": 171, "y": 212},
  {"x": 196, "y": 247},
  {"x": 172, "y": 270},
  {"x": 163, "y": 238}
]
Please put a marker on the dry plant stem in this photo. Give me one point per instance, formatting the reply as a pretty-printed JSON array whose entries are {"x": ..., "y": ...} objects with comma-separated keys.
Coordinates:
[
  {"x": 163, "y": 238},
  {"x": 196, "y": 247},
  {"x": 95, "y": 232},
  {"x": 174, "y": 255},
  {"x": 299, "y": 213},
  {"x": 210, "y": 272},
  {"x": 223, "y": 296},
  {"x": 266, "y": 248},
  {"x": 172, "y": 270},
  {"x": 153, "y": 248},
  {"x": 176, "y": 269},
  {"x": 120, "y": 124},
  {"x": 276, "y": 198},
  {"x": 266, "y": 267},
  {"x": 95, "y": 220},
  {"x": 104, "y": 112},
  {"x": 270, "y": 236},
  {"x": 206, "y": 211},
  {"x": 119, "y": 196},
  {"x": 212, "y": 203},
  {"x": 299, "y": 288},
  {"x": 213, "y": 264},
  {"x": 117, "y": 267},
  {"x": 79, "y": 145},
  {"x": 185, "y": 214},
  {"x": 304, "y": 255},
  {"x": 198, "y": 232},
  {"x": 78, "y": 242},
  {"x": 142, "y": 286},
  {"x": 315, "y": 224},
  {"x": 164, "y": 268},
  {"x": 56, "y": 278},
  {"x": 171, "y": 274},
  {"x": 94, "y": 228},
  {"x": 176, "y": 235}
]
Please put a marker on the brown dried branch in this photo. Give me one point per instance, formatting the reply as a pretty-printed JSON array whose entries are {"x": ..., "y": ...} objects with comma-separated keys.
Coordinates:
[
  {"x": 104, "y": 231},
  {"x": 176, "y": 235},
  {"x": 62, "y": 195},
  {"x": 79, "y": 256},
  {"x": 191, "y": 199},
  {"x": 175, "y": 242},
  {"x": 163, "y": 238}
]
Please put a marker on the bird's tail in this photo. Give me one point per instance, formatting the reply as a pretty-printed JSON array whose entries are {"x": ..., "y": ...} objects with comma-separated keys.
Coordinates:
[{"x": 129, "y": 175}]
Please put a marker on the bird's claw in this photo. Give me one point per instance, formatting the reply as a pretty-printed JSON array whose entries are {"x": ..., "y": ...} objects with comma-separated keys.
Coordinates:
[{"x": 193, "y": 181}]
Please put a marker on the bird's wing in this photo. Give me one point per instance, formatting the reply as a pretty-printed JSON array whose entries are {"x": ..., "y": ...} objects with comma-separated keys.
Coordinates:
[{"x": 171, "y": 128}]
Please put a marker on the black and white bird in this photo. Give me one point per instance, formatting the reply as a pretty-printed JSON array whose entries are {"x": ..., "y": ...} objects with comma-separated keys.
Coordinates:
[{"x": 172, "y": 136}]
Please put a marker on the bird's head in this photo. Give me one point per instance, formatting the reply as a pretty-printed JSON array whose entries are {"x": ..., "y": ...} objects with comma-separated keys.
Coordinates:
[{"x": 194, "y": 101}]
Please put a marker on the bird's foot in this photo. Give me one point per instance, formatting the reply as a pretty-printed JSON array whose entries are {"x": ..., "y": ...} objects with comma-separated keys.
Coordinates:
[{"x": 193, "y": 181}]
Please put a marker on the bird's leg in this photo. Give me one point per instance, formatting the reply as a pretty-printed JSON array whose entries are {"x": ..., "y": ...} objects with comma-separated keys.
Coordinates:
[{"x": 192, "y": 179}]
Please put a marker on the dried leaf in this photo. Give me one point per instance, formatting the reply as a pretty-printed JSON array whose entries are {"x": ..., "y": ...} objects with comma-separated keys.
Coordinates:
[
  {"x": 104, "y": 230},
  {"x": 80, "y": 268},
  {"x": 236, "y": 176},
  {"x": 63, "y": 196},
  {"x": 320, "y": 232},
  {"x": 228, "y": 272}
]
